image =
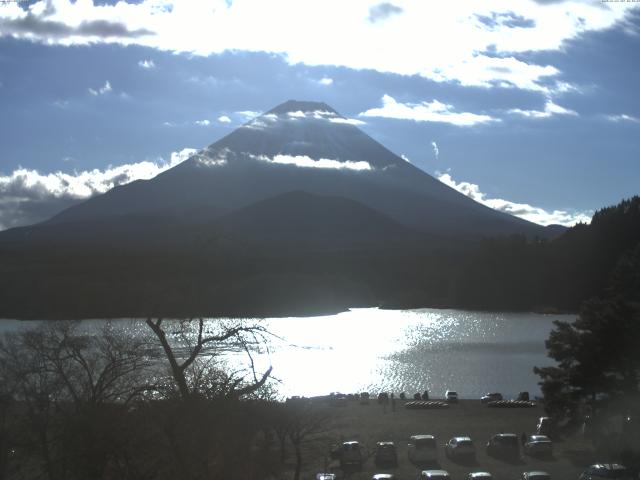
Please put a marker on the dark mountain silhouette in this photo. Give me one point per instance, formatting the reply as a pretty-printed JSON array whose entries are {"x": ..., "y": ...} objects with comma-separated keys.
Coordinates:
[
  {"x": 300, "y": 146},
  {"x": 305, "y": 221},
  {"x": 296, "y": 212}
]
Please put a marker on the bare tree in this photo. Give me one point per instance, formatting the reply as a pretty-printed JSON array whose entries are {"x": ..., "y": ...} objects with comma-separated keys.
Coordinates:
[
  {"x": 63, "y": 384},
  {"x": 191, "y": 375}
]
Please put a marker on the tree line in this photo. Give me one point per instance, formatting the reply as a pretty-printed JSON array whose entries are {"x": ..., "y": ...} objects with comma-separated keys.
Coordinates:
[{"x": 596, "y": 377}]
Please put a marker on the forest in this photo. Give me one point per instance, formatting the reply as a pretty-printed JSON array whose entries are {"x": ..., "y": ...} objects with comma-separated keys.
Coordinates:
[{"x": 227, "y": 278}]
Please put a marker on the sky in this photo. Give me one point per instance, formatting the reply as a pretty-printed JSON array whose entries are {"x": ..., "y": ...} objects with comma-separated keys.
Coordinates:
[{"x": 528, "y": 106}]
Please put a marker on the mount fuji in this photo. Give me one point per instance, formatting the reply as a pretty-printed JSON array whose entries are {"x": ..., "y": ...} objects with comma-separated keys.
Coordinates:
[
  {"x": 295, "y": 147},
  {"x": 297, "y": 210}
]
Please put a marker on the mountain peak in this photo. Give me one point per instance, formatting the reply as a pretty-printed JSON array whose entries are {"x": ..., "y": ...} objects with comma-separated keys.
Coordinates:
[{"x": 301, "y": 106}]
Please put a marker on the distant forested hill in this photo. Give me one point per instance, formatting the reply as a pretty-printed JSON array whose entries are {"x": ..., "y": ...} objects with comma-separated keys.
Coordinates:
[
  {"x": 513, "y": 273},
  {"x": 232, "y": 271}
]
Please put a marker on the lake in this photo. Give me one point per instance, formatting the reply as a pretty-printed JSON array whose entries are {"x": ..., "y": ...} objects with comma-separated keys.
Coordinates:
[{"x": 396, "y": 350}]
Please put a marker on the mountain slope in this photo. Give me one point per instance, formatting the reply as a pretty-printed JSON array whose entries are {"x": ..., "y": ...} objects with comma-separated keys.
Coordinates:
[
  {"x": 304, "y": 221},
  {"x": 301, "y": 146}
]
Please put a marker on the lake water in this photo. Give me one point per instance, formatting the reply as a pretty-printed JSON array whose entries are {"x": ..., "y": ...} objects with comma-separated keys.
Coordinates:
[{"x": 397, "y": 350}]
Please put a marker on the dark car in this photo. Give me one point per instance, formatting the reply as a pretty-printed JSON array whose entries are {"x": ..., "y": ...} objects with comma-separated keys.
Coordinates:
[
  {"x": 536, "y": 475},
  {"x": 606, "y": 470},
  {"x": 546, "y": 426},
  {"x": 386, "y": 454},
  {"x": 491, "y": 397},
  {"x": 350, "y": 453},
  {"x": 505, "y": 445},
  {"x": 460, "y": 447}
]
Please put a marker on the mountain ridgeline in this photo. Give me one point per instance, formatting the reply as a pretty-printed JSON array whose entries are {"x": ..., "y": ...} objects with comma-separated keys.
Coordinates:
[{"x": 298, "y": 212}]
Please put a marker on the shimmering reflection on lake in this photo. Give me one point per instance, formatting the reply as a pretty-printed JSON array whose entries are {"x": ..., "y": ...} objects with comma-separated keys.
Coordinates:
[
  {"x": 393, "y": 350},
  {"x": 411, "y": 350}
]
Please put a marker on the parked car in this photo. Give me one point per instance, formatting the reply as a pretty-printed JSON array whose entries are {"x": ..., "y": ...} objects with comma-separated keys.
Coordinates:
[
  {"x": 383, "y": 476},
  {"x": 423, "y": 449},
  {"x": 479, "y": 476},
  {"x": 538, "y": 445},
  {"x": 386, "y": 454},
  {"x": 451, "y": 396},
  {"x": 325, "y": 476},
  {"x": 503, "y": 445},
  {"x": 606, "y": 470},
  {"x": 536, "y": 475},
  {"x": 434, "y": 475},
  {"x": 491, "y": 397},
  {"x": 545, "y": 426},
  {"x": 460, "y": 447},
  {"x": 350, "y": 453}
]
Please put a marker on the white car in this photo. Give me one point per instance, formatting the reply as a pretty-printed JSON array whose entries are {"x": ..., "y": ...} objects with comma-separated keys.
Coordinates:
[
  {"x": 538, "y": 445},
  {"x": 325, "y": 476},
  {"x": 479, "y": 476},
  {"x": 383, "y": 476},
  {"x": 460, "y": 447},
  {"x": 434, "y": 475},
  {"x": 423, "y": 449},
  {"x": 536, "y": 475},
  {"x": 451, "y": 396}
]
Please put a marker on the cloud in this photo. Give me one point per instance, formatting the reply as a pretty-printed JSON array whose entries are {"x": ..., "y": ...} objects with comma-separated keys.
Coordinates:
[
  {"x": 147, "y": 64},
  {"x": 623, "y": 117},
  {"x": 32, "y": 26},
  {"x": 436, "y": 151},
  {"x": 458, "y": 40},
  {"x": 347, "y": 121},
  {"x": 28, "y": 196},
  {"x": 303, "y": 161},
  {"x": 106, "y": 88},
  {"x": 433, "y": 111},
  {"x": 202, "y": 123},
  {"x": 326, "y": 81},
  {"x": 528, "y": 212},
  {"x": 382, "y": 11},
  {"x": 550, "y": 109},
  {"x": 224, "y": 119},
  {"x": 248, "y": 114},
  {"x": 509, "y": 19}
]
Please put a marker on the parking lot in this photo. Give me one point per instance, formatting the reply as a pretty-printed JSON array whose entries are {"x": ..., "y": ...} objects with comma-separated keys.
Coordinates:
[{"x": 371, "y": 423}]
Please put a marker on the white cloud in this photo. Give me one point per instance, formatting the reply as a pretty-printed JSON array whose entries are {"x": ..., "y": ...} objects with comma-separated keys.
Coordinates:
[
  {"x": 202, "y": 123},
  {"x": 106, "y": 88},
  {"x": 391, "y": 38},
  {"x": 326, "y": 81},
  {"x": 304, "y": 161},
  {"x": 218, "y": 160},
  {"x": 433, "y": 111},
  {"x": 248, "y": 114},
  {"x": 28, "y": 196},
  {"x": 147, "y": 64},
  {"x": 528, "y": 212},
  {"x": 436, "y": 150},
  {"x": 224, "y": 119},
  {"x": 623, "y": 117},
  {"x": 347, "y": 121},
  {"x": 550, "y": 109}
]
